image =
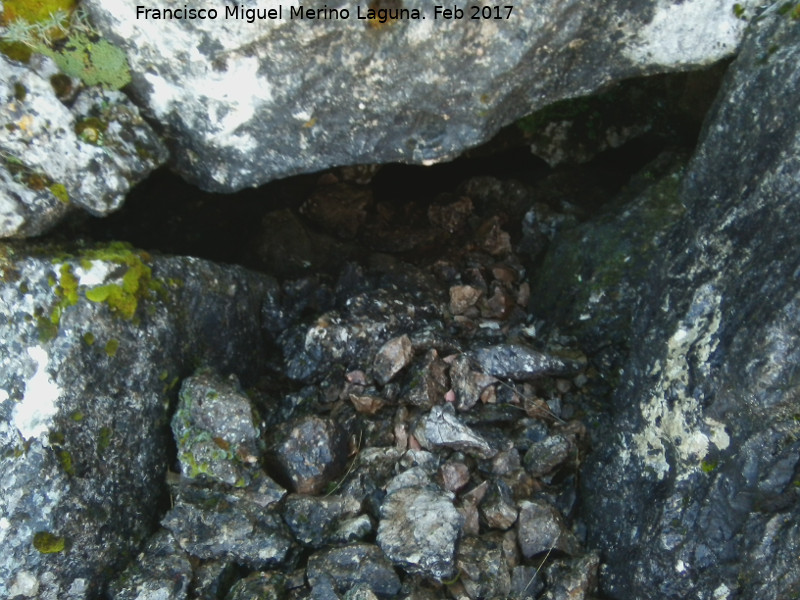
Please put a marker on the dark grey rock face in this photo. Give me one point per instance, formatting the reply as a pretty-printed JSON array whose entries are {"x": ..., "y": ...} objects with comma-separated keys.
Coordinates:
[
  {"x": 92, "y": 346},
  {"x": 692, "y": 490},
  {"x": 59, "y": 154},
  {"x": 229, "y": 95}
]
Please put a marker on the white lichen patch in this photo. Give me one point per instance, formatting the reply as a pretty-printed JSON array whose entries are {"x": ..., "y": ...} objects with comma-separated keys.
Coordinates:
[
  {"x": 34, "y": 414},
  {"x": 673, "y": 416},
  {"x": 689, "y": 32}
]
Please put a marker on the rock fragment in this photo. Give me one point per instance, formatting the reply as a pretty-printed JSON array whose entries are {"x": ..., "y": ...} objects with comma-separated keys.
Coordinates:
[
  {"x": 315, "y": 521},
  {"x": 544, "y": 456},
  {"x": 521, "y": 363},
  {"x": 497, "y": 508},
  {"x": 419, "y": 530},
  {"x": 162, "y": 571},
  {"x": 540, "y": 528},
  {"x": 572, "y": 578},
  {"x": 310, "y": 452},
  {"x": 214, "y": 431},
  {"x": 392, "y": 357},
  {"x": 354, "y": 565},
  {"x": 463, "y": 297},
  {"x": 236, "y": 526},
  {"x": 484, "y": 567},
  {"x": 441, "y": 427}
]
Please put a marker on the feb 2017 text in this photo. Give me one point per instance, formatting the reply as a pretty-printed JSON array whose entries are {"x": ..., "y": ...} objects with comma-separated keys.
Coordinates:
[{"x": 279, "y": 13}]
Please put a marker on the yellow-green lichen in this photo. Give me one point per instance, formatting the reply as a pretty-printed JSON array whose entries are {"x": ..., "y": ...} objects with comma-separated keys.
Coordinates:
[
  {"x": 66, "y": 291},
  {"x": 708, "y": 466},
  {"x": 112, "y": 346},
  {"x": 65, "y": 459},
  {"x": 137, "y": 282},
  {"x": 47, "y": 543},
  {"x": 59, "y": 190},
  {"x": 88, "y": 338}
]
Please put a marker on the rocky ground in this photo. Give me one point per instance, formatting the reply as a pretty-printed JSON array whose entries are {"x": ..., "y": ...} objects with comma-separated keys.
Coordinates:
[
  {"x": 417, "y": 434},
  {"x": 573, "y": 381}
]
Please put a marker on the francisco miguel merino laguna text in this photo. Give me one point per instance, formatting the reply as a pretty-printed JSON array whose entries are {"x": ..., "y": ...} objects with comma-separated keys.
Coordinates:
[{"x": 259, "y": 14}]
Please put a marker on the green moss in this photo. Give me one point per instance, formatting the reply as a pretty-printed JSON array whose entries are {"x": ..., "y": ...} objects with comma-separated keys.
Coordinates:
[
  {"x": 738, "y": 11},
  {"x": 88, "y": 338},
  {"x": 77, "y": 416},
  {"x": 47, "y": 543},
  {"x": 112, "y": 346}
]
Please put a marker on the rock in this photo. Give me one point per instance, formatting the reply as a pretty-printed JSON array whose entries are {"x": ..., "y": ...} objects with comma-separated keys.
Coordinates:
[
  {"x": 93, "y": 453},
  {"x": 402, "y": 303},
  {"x": 572, "y": 579},
  {"x": 440, "y": 427},
  {"x": 496, "y": 71},
  {"x": 428, "y": 381},
  {"x": 484, "y": 568},
  {"x": 316, "y": 521},
  {"x": 451, "y": 217},
  {"x": 541, "y": 528},
  {"x": 468, "y": 384},
  {"x": 588, "y": 279},
  {"x": 544, "y": 456},
  {"x": 498, "y": 508},
  {"x": 212, "y": 577},
  {"x": 704, "y": 432},
  {"x": 353, "y": 565},
  {"x": 521, "y": 363},
  {"x": 261, "y": 585},
  {"x": 419, "y": 529},
  {"x": 453, "y": 475},
  {"x": 392, "y": 357},
  {"x": 163, "y": 571},
  {"x": 214, "y": 431},
  {"x": 463, "y": 297},
  {"x": 309, "y": 452},
  {"x": 56, "y": 156},
  {"x": 235, "y": 526},
  {"x": 526, "y": 582}
]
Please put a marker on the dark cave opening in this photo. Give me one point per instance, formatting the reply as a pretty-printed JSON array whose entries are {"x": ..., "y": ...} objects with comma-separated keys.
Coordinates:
[{"x": 166, "y": 214}]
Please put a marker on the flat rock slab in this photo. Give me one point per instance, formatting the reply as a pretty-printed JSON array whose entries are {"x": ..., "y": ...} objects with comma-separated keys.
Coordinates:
[{"x": 245, "y": 103}]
